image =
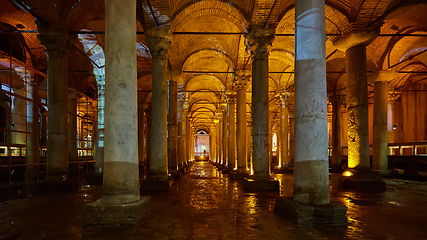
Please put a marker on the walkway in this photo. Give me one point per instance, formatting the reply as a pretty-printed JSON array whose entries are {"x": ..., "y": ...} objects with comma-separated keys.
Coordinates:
[{"x": 204, "y": 204}]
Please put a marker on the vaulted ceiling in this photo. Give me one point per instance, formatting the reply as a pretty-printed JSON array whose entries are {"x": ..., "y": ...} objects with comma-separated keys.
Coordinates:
[{"x": 208, "y": 42}]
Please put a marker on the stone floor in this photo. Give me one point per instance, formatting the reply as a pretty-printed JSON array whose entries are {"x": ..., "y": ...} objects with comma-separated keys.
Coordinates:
[{"x": 205, "y": 204}]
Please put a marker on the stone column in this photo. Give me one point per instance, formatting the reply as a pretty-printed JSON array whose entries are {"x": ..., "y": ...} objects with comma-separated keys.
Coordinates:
[
  {"x": 173, "y": 130},
  {"x": 310, "y": 203},
  {"x": 220, "y": 134},
  {"x": 360, "y": 176},
  {"x": 72, "y": 129},
  {"x": 380, "y": 150},
  {"x": 159, "y": 43},
  {"x": 148, "y": 142},
  {"x": 141, "y": 124},
  {"x": 187, "y": 136},
  {"x": 336, "y": 132},
  {"x": 249, "y": 147},
  {"x": 181, "y": 133},
  {"x": 284, "y": 158},
  {"x": 224, "y": 136},
  {"x": 240, "y": 86},
  {"x": 99, "y": 156},
  {"x": 259, "y": 41},
  {"x": 121, "y": 176},
  {"x": 55, "y": 42},
  {"x": 231, "y": 132}
]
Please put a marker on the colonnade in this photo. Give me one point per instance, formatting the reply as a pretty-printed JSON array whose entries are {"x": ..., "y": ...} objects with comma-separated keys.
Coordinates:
[{"x": 170, "y": 141}]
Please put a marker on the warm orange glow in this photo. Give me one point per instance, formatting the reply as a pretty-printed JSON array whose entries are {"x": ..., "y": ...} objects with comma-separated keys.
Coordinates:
[{"x": 347, "y": 174}]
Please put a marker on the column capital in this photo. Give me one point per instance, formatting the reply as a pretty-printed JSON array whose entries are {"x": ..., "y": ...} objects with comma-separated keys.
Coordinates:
[
  {"x": 241, "y": 80},
  {"x": 54, "y": 40},
  {"x": 382, "y": 76},
  {"x": 231, "y": 98},
  {"x": 158, "y": 41},
  {"x": 361, "y": 36},
  {"x": 259, "y": 41}
]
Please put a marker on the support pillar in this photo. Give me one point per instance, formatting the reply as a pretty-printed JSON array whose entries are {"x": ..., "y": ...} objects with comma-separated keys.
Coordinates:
[
  {"x": 336, "y": 133},
  {"x": 173, "y": 130},
  {"x": 181, "y": 134},
  {"x": 72, "y": 131},
  {"x": 224, "y": 136},
  {"x": 231, "y": 133},
  {"x": 99, "y": 157},
  {"x": 380, "y": 148},
  {"x": 260, "y": 40},
  {"x": 240, "y": 86},
  {"x": 55, "y": 42},
  {"x": 359, "y": 176},
  {"x": 120, "y": 202},
  {"x": 284, "y": 155},
  {"x": 159, "y": 43},
  {"x": 141, "y": 131},
  {"x": 291, "y": 137},
  {"x": 310, "y": 202}
]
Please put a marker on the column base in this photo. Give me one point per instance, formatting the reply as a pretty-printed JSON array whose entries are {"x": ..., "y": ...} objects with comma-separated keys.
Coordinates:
[
  {"x": 306, "y": 214},
  {"x": 100, "y": 215},
  {"x": 156, "y": 185},
  {"x": 361, "y": 180},
  {"x": 251, "y": 185},
  {"x": 239, "y": 175}
]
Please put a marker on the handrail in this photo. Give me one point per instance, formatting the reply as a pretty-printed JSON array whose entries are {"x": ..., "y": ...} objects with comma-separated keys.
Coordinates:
[{"x": 395, "y": 149}]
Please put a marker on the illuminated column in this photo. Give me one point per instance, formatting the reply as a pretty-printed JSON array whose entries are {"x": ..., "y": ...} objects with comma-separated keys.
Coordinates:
[
  {"x": 231, "y": 132},
  {"x": 240, "y": 85},
  {"x": 260, "y": 40},
  {"x": 310, "y": 202},
  {"x": 181, "y": 132},
  {"x": 141, "y": 123},
  {"x": 72, "y": 126},
  {"x": 99, "y": 155},
  {"x": 187, "y": 137},
  {"x": 360, "y": 176},
  {"x": 159, "y": 43},
  {"x": 148, "y": 137},
  {"x": 55, "y": 42},
  {"x": 173, "y": 128},
  {"x": 224, "y": 136},
  {"x": 19, "y": 107},
  {"x": 336, "y": 131},
  {"x": 284, "y": 159},
  {"x": 380, "y": 150},
  {"x": 121, "y": 175},
  {"x": 249, "y": 163}
]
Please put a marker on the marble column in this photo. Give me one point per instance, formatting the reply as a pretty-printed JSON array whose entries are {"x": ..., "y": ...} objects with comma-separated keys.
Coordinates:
[
  {"x": 173, "y": 130},
  {"x": 260, "y": 41},
  {"x": 55, "y": 42},
  {"x": 99, "y": 155},
  {"x": 359, "y": 175},
  {"x": 72, "y": 128},
  {"x": 284, "y": 142},
  {"x": 159, "y": 43},
  {"x": 148, "y": 136},
  {"x": 224, "y": 136},
  {"x": 121, "y": 176},
  {"x": 231, "y": 132},
  {"x": 310, "y": 202},
  {"x": 19, "y": 114},
  {"x": 141, "y": 125},
  {"x": 336, "y": 132},
  {"x": 240, "y": 86},
  {"x": 181, "y": 133},
  {"x": 187, "y": 136},
  {"x": 380, "y": 148}
]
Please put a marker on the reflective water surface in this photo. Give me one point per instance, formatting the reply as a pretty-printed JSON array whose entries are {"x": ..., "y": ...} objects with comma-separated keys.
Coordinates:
[{"x": 204, "y": 204}]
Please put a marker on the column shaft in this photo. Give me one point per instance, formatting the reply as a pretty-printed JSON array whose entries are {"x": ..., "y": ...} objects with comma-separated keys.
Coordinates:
[
  {"x": 232, "y": 135},
  {"x": 173, "y": 126},
  {"x": 336, "y": 134},
  {"x": 241, "y": 130},
  {"x": 224, "y": 138},
  {"x": 121, "y": 176},
  {"x": 311, "y": 178},
  {"x": 141, "y": 135},
  {"x": 72, "y": 127},
  {"x": 380, "y": 158},
  {"x": 284, "y": 159},
  {"x": 357, "y": 108},
  {"x": 32, "y": 151}
]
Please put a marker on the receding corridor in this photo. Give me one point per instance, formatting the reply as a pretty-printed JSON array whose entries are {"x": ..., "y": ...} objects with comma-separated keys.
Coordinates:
[{"x": 205, "y": 204}]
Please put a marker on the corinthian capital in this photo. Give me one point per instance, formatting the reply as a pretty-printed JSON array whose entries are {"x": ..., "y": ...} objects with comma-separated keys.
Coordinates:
[
  {"x": 158, "y": 41},
  {"x": 259, "y": 41}
]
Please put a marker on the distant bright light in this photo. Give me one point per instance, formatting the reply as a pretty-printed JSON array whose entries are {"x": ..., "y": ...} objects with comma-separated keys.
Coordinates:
[{"x": 347, "y": 174}]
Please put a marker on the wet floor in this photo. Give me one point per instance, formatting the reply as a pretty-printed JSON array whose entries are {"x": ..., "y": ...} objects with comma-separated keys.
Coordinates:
[{"x": 205, "y": 204}]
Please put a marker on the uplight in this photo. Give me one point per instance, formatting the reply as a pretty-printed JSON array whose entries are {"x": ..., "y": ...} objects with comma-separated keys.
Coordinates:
[{"x": 347, "y": 174}]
